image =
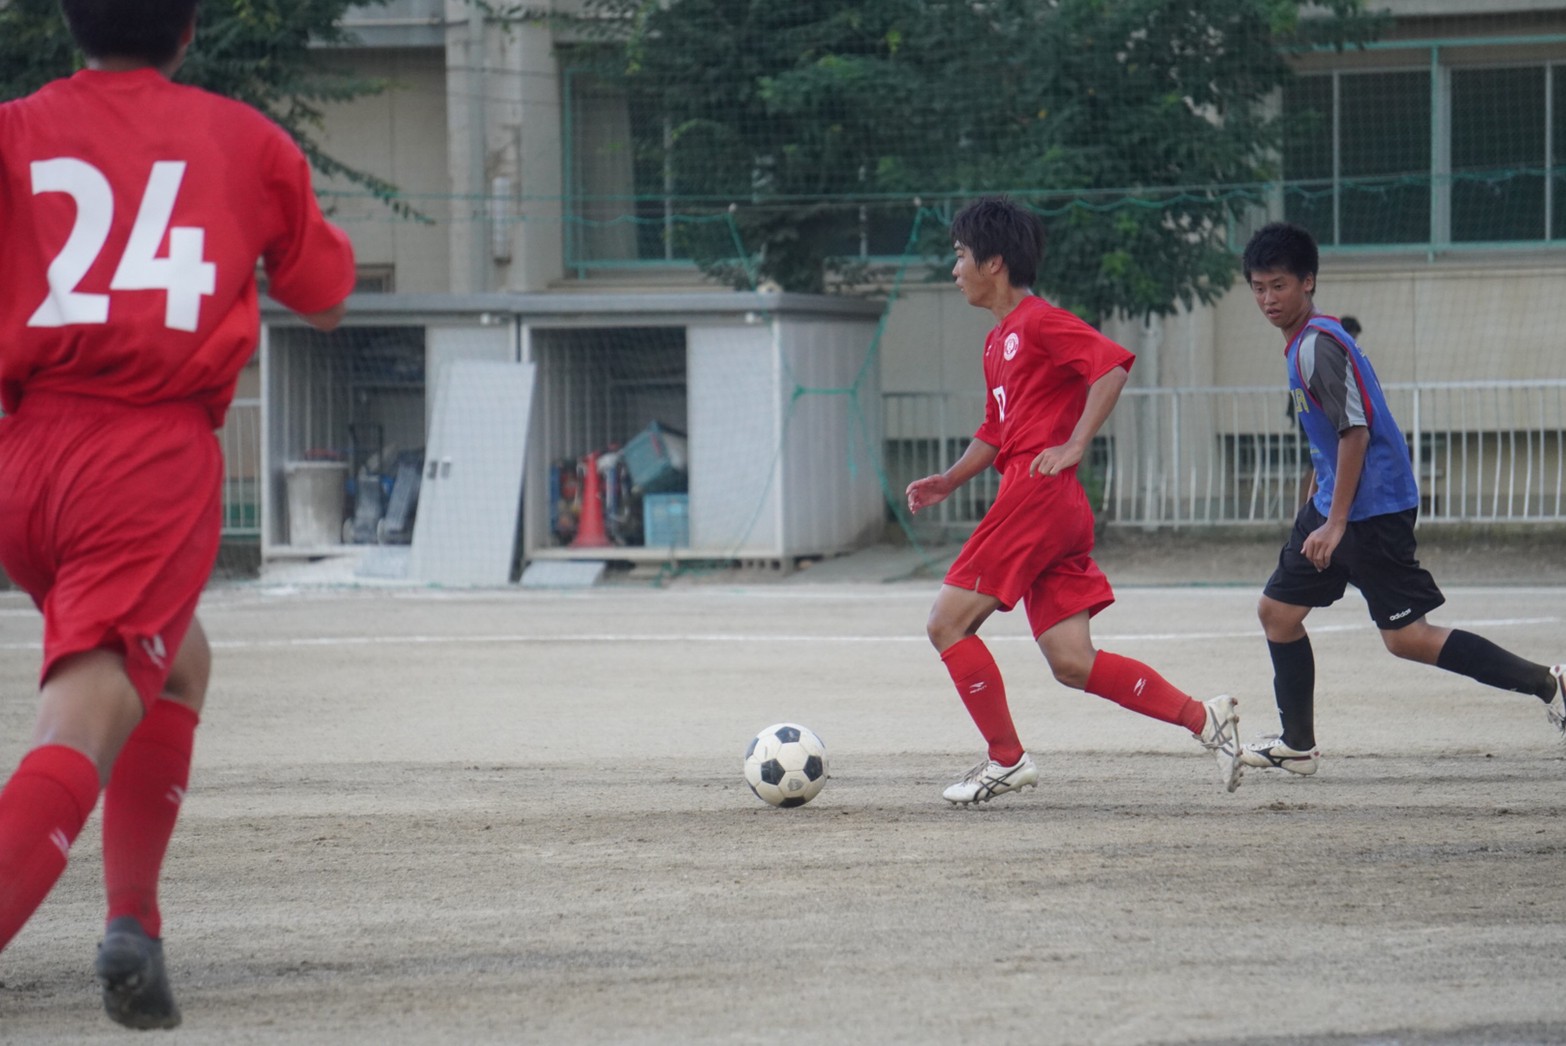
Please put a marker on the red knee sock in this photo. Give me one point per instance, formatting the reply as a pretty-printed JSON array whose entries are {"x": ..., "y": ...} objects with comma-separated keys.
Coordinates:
[
  {"x": 42, "y": 809},
  {"x": 1137, "y": 687},
  {"x": 978, "y": 680},
  {"x": 140, "y": 807}
]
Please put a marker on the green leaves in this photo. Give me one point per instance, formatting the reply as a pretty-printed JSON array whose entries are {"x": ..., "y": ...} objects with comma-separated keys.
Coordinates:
[{"x": 1136, "y": 127}]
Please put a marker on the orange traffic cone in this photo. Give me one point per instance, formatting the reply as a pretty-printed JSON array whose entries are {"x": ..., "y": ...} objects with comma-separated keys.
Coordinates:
[{"x": 590, "y": 531}]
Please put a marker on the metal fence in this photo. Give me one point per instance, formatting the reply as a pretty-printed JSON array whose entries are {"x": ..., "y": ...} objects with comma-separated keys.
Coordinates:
[
  {"x": 240, "y": 438},
  {"x": 1484, "y": 452}
]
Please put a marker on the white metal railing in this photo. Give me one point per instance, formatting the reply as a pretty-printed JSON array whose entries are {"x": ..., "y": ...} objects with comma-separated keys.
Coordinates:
[
  {"x": 240, "y": 438},
  {"x": 1484, "y": 452}
]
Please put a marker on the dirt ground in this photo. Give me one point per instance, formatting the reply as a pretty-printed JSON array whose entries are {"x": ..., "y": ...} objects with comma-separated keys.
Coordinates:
[{"x": 423, "y": 816}]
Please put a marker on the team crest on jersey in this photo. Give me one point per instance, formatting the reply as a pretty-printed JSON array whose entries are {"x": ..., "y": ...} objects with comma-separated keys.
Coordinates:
[{"x": 1011, "y": 346}]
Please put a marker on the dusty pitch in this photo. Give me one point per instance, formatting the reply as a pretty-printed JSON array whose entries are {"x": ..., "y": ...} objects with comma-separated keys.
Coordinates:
[{"x": 427, "y": 817}]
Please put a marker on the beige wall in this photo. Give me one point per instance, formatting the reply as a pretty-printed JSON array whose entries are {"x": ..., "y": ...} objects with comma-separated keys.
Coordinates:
[
  {"x": 1419, "y": 8},
  {"x": 1474, "y": 323},
  {"x": 934, "y": 339},
  {"x": 449, "y": 134},
  {"x": 399, "y": 136}
]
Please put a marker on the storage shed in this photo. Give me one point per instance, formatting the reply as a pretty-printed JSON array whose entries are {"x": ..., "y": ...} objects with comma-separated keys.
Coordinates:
[{"x": 752, "y": 420}]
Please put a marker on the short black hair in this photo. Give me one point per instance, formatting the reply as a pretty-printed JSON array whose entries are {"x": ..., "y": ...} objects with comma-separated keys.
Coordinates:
[
  {"x": 148, "y": 30},
  {"x": 997, "y": 226},
  {"x": 1350, "y": 324},
  {"x": 1281, "y": 245}
]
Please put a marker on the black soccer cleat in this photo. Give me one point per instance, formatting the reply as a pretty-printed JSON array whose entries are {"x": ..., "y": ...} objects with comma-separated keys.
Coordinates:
[{"x": 135, "y": 985}]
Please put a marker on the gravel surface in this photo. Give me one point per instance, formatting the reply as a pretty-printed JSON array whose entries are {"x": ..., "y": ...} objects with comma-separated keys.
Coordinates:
[{"x": 423, "y": 816}]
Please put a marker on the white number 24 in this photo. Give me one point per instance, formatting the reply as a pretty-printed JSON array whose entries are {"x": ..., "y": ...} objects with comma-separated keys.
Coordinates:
[{"x": 183, "y": 274}]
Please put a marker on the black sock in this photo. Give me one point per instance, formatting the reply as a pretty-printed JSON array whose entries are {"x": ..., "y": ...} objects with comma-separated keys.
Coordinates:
[
  {"x": 1294, "y": 686},
  {"x": 1478, "y": 658}
]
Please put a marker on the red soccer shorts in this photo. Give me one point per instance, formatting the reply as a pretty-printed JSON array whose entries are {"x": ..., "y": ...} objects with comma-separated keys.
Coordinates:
[
  {"x": 1035, "y": 545},
  {"x": 110, "y": 518}
]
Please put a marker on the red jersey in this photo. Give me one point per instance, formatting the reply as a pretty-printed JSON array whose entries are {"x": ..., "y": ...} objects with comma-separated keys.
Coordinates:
[
  {"x": 1038, "y": 364},
  {"x": 132, "y": 214}
]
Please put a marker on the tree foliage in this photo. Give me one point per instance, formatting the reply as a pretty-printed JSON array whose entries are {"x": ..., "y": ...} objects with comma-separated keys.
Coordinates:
[
  {"x": 1136, "y": 127},
  {"x": 258, "y": 51}
]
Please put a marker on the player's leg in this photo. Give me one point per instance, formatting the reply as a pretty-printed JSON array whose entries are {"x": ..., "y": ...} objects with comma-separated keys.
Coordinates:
[
  {"x": 140, "y": 807},
  {"x": 87, "y": 707},
  {"x": 1293, "y": 748},
  {"x": 1474, "y": 656},
  {"x": 1295, "y": 587},
  {"x": 953, "y": 629},
  {"x": 1400, "y": 594},
  {"x": 51, "y": 793},
  {"x": 148, "y": 535},
  {"x": 1068, "y": 647},
  {"x": 142, "y": 803}
]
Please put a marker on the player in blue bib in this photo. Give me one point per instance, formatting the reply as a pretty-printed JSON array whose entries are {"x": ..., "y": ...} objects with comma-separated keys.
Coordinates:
[
  {"x": 1335, "y": 389},
  {"x": 1358, "y": 525}
]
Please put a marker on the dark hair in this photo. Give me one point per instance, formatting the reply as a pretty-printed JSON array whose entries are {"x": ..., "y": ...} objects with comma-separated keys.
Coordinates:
[
  {"x": 1351, "y": 325},
  {"x": 1281, "y": 245},
  {"x": 996, "y": 226},
  {"x": 148, "y": 30}
]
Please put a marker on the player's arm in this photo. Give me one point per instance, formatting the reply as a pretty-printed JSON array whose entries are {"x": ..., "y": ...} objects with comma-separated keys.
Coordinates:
[
  {"x": 1353, "y": 443},
  {"x": 328, "y": 319},
  {"x": 932, "y": 490},
  {"x": 1102, "y": 396},
  {"x": 1332, "y": 385},
  {"x": 309, "y": 261}
]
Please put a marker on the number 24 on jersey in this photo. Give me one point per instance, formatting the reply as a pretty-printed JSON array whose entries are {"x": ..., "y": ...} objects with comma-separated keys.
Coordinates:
[{"x": 182, "y": 274}]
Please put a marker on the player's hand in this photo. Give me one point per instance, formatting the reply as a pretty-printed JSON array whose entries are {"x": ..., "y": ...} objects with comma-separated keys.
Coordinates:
[
  {"x": 1052, "y": 460},
  {"x": 931, "y": 490},
  {"x": 1322, "y": 542}
]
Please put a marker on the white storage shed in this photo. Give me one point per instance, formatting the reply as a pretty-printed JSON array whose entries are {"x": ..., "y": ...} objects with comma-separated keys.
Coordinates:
[{"x": 777, "y": 398}]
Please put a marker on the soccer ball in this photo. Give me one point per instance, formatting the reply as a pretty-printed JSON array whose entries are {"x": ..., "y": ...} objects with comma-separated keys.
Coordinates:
[{"x": 786, "y": 765}]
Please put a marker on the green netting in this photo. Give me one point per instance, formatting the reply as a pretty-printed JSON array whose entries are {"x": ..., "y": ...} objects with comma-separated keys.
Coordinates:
[{"x": 823, "y": 145}]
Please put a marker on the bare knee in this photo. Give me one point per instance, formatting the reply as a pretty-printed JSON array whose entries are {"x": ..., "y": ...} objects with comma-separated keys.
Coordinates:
[
  {"x": 1072, "y": 669},
  {"x": 943, "y": 633},
  {"x": 946, "y": 631},
  {"x": 191, "y": 671},
  {"x": 1419, "y": 641},
  {"x": 88, "y": 703},
  {"x": 956, "y": 615},
  {"x": 1281, "y": 622},
  {"x": 1068, "y": 647}
]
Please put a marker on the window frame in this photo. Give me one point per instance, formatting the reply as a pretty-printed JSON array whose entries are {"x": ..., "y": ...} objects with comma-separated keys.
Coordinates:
[{"x": 1443, "y": 58}]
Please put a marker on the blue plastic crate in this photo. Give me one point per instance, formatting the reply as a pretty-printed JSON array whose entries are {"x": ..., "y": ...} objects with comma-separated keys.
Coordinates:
[
  {"x": 666, "y": 520},
  {"x": 655, "y": 458}
]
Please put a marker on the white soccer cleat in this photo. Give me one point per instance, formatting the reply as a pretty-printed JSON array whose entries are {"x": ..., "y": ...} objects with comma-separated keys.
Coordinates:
[
  {"x": 989, "y": 779},
  {"x": 1556, "y": 709},
  {"x": 1221, "y": 737},
  {"x": 1270, "y": 753}
]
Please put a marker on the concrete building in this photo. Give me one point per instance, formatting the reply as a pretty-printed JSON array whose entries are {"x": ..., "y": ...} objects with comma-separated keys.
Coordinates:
[{"x": 1458, "y": 279}]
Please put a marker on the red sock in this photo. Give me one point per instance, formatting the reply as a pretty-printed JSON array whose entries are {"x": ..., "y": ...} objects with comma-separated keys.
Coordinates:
[
  {"x": 140, "y": 807},
  {"x": 978, "y": 680},
  {"x": 1137, "y": 687},
  {"x": 42, "y": 809}
]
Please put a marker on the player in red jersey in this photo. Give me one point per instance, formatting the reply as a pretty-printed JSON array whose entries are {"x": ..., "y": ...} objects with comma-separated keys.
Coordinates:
[
  {"x": 132, "y": 215},
  {"x": 1052, "y": 381}
]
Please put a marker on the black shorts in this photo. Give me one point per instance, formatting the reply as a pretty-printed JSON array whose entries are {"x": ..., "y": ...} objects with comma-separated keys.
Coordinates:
[{"x": 1376, "y": 555}]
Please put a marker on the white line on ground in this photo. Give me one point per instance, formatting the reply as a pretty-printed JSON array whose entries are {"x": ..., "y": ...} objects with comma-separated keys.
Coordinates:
[{"x": 735, "y": 637}]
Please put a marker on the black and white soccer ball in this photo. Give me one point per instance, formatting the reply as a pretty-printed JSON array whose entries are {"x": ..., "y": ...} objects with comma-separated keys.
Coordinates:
[{"x": 786, "y": 765}]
